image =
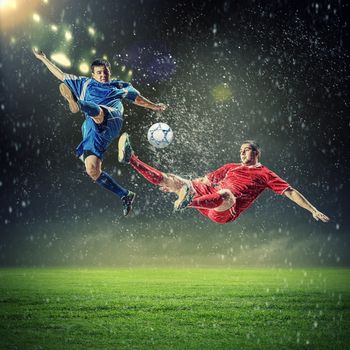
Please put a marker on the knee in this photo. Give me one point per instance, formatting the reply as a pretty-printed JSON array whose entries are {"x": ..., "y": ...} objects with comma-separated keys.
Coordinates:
[
  {"x": 93, "y": 171},
  {"x": 228, "y": 197},
  {"x": 171, "y": 181}
]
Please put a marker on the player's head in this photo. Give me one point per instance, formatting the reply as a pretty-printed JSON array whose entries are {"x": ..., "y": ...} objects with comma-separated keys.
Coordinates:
[
  {"x": 250, "y": 152},
  {"x": 101, "y": 70}
]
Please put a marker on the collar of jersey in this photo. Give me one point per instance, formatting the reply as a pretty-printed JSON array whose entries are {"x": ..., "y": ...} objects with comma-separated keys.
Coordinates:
[{"x": 257, "y": 165}]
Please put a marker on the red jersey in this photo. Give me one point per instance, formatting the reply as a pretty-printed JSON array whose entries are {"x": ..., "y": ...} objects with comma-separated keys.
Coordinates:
[{"x": 246, "y": 183}]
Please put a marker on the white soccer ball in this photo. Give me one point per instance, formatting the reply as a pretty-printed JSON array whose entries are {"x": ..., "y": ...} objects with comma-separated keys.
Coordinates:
[{"x": 160, "y": 135}]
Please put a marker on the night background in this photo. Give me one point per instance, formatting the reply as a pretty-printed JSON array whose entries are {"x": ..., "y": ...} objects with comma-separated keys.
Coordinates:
[{"x": 275, "y": 72}]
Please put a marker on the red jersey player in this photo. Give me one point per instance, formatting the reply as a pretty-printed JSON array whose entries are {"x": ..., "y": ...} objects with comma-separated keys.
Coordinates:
[{"x": 225, "y": 193}]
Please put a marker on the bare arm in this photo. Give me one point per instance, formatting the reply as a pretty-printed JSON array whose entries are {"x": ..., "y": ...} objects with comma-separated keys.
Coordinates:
[
  {"x": 143, "y": 102},
  {"x": 299, "y": 199},
  {"x": 50, "y": 66}
]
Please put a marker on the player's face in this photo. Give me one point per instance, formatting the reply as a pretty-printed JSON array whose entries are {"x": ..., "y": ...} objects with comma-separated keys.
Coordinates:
[
  {"x": 101, "y": 74},
  {"x": 248, "y": 155}
]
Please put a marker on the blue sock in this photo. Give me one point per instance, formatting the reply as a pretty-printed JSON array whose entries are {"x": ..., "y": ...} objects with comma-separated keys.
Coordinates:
[
  {"x": 91, "y": 108},
  {"x": 107, "y": 182}
]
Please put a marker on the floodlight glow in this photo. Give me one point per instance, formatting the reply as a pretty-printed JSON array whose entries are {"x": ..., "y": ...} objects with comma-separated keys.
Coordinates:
[
  {"x": 91, "y": 31},
  {"x": 45, "y": 1},
  {"x": 105, "y": 57},
  {"x": 36, "y": 17},
  {"x": 93, "y": 51},
  {"x": 123, "y": 68},
  {"x": 14, "y": 12},
  {"x": 84, "y": 67},
  {"x": 130, "y": 72},
  {"x": 8, "y": 4},
  {"x": 54, "y": 28},
  {"x": 61, "y": 59},
  {"x": 68, "y": 35}
]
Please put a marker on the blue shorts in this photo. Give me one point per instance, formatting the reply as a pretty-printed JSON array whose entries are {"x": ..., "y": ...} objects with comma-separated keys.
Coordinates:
[{"x": 97, "y": 137}]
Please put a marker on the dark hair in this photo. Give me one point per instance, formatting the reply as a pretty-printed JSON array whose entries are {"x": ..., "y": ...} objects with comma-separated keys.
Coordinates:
[
  {"x": 254, "y": 145},
  {"x": 100, "y": 62}
]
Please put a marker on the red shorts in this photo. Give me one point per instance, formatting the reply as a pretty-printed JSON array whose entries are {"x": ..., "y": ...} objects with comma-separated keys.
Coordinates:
[{"x": 220, "y": 217}]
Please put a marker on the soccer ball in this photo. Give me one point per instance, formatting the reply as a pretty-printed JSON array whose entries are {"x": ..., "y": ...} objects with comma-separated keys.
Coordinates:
[{"x": 160, "y": 135}]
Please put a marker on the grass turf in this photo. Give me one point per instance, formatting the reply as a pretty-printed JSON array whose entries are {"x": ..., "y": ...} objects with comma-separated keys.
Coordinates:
[{"x": 174, "y": 309}]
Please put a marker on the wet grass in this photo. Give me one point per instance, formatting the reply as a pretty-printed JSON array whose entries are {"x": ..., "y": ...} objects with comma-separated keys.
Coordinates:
[{"x": 174, "y": 308}]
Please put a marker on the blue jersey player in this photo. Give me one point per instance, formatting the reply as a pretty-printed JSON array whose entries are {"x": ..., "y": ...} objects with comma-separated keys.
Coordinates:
[{"x": 100, "y": 99}]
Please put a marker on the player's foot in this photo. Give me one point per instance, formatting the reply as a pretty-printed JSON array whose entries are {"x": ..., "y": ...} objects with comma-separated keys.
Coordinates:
[
  {"x": 128, "y": 200},
  {"x": 185, "y": 198},
  {"x": 124, "y": 149},
  {"x": 68, "y": 95}
]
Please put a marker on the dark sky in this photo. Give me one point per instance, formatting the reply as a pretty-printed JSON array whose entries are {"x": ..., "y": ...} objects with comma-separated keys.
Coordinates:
[{"x": 230, "y": 71}]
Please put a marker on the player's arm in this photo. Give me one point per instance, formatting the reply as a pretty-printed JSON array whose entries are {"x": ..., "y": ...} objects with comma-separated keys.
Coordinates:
[
  {"x": 299, "y": 199},
  {"x": 50, "y": 66},
  {"x": 144, "y": 102}
]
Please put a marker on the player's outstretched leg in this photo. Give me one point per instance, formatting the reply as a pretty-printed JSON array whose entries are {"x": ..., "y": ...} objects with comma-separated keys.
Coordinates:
[
  {"x": 127, "y": 155},
  {"x": 93, "y": 167},
  {"x": 167, "y": 182}
]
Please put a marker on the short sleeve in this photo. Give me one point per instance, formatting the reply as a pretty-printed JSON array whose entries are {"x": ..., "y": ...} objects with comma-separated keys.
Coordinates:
[
  {"x": 75, "y": 83},
  {"x": 276, "y": 184},
  {"x": 130, "y": 93},
  {"x": 218, "y": 174}
]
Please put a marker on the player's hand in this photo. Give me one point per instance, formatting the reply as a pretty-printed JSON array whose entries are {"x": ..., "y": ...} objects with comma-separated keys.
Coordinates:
[
  {"x": 317, "y": 215},
  {"x": 160, "y": 107},
  {"x": 38, "y": 54}
]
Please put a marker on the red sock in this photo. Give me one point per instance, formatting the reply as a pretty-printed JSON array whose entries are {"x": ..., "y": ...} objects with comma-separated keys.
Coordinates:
[
  {"x": 208, "y": 201},
  {"x": 151, "y": 174}
]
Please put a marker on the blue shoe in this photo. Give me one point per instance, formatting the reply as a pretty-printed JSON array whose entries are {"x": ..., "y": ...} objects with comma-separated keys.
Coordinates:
[
  {"x": 68, "y": 95},
  {"x": 128, "y": 200},
  {"x": 185, "y": 198},
  {"x": 124, "y": 149}
]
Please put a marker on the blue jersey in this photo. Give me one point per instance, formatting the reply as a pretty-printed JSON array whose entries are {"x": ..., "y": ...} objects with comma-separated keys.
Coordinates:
[
  {"x": 104, "y": 94},
  {"x": 109, "y": 96}
]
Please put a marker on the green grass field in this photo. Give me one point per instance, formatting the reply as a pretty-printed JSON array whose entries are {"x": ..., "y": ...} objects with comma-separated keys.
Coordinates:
[{"x": 174, "y": 309}]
